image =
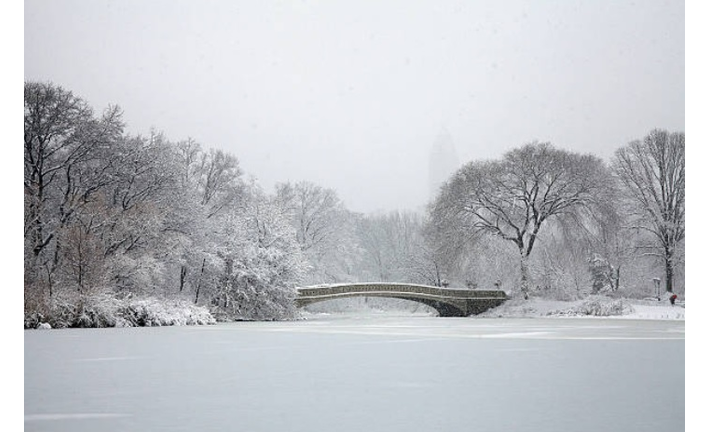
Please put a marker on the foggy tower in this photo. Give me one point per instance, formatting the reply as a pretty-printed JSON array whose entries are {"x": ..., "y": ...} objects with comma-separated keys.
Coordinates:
[{"x": 442, "y": 162}]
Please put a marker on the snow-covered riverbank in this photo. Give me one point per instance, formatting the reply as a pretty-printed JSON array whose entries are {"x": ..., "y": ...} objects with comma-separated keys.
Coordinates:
[
  {"x": 593, "y": 306},
  {"x": 631, "y": 309}
]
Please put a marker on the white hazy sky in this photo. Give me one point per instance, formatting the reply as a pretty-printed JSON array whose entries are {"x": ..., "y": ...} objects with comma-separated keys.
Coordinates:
[{"x": 352, "y": 94}]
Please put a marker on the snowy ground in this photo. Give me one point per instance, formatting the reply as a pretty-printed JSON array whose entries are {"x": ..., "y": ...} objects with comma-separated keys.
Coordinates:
[
  {"x": 536, "y": 308},
  {"x": 513, "y": 308}
]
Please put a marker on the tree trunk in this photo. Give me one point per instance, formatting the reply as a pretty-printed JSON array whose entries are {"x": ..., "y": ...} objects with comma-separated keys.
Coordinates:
[
  {"x": 199, "y": 284},
  {"x": 616, "y": 277},
  {"x": 524, "y": 270},
  {"x": 183, "y": 276},
  {"x": 669, "y": 271}
]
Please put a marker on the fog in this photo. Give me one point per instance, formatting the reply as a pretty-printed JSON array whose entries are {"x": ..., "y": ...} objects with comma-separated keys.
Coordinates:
[{"x": 353, "y": 95}]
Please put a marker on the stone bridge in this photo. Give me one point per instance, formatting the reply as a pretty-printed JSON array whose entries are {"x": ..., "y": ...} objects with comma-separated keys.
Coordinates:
[{"x": 448, "y": 302}]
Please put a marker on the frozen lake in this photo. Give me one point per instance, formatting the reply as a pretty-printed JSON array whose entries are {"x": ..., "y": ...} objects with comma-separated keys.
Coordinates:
[{"x": 371, "y": 373}]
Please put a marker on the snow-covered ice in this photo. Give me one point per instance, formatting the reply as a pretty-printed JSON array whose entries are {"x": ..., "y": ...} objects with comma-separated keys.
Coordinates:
[{"x": 385, "y": 371}]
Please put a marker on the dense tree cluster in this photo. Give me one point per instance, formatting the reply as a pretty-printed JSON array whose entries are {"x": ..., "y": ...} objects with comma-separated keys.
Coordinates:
[
  {"x": 590, "y": 217},
  {"x": 109, "y": 215},
  {"x": 114, "y": 221}
]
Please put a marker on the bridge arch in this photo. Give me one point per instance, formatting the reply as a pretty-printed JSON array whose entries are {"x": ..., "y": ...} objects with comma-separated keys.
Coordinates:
[{"x": 447, "y": 302}]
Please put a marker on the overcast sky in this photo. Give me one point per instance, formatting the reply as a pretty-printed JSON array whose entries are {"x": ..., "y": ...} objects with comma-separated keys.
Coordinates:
[{"x": 352, "y": 94}]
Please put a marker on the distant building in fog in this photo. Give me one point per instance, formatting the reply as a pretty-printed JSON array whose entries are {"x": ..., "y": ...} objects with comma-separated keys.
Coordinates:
[{"x": 442, "y": 162}]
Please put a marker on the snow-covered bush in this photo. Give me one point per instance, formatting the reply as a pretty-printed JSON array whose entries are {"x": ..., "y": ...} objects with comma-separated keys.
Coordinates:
[
  {"x": 74, "y": 310},
  {"x": 151, "y": 312},
  {"x": 93, "y": 311},
  {"x": 105, "y": 310},
  {"x": 598, "y": 306}
]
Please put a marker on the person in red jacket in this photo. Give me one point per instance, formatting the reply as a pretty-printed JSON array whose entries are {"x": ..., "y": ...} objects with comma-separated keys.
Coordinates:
[{"x": 673, "y": 297}]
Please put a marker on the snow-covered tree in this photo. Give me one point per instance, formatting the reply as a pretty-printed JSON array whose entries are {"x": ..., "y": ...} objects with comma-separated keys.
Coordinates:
[
  {"x": 652, "y": 173},
  {"x": 112, "y": 217},
  {"x": 65, "y": 170},
  {"x": 219, "y": 178},
  {"x": 262, "y": 262},
  {"x": 512, "y": 198},
  {"x": 324, "y": 229},
  {"x": 395, "y": 248},
  {"x": 377, "y": 238}
]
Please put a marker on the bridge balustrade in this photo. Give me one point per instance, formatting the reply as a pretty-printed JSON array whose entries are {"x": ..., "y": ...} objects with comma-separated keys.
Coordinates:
[{"x": 447, "y": 301}]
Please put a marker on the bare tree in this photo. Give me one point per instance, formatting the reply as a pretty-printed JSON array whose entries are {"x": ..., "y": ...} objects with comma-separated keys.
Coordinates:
[
  {"x": 395, "y": 247},
  {"x": 188, "y": 154},
  {"x": 652, "y": 172},
  {"x": 145, "y": 168},
  {"x": 64, "y": 168},
  {"x": 387, "y": 241},
  {"x": 377, "y": 261},
  {"x": 220, "y": 181},
  {"x": 316, "y": 212},
  {"x": 325, "y": 229},
  {"x": 513, "y": 197}
]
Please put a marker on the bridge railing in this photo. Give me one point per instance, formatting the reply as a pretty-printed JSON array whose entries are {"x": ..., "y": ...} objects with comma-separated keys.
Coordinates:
[{"x": 398, "y": 288}]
